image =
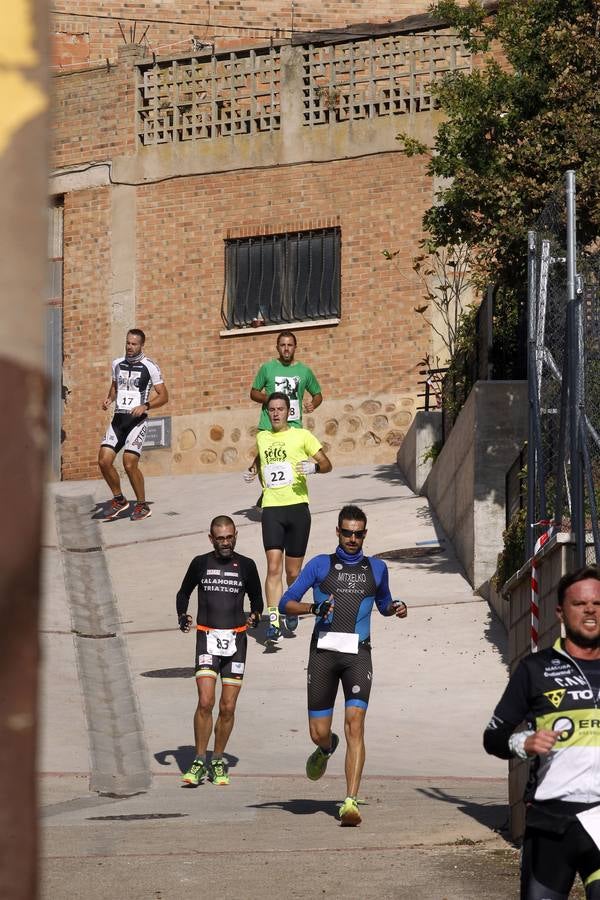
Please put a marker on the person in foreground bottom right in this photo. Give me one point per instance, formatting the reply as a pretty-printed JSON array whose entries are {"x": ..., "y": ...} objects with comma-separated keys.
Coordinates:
[
  {"x": 345, "y": 586},
  {"x": 556, "y": 692}
]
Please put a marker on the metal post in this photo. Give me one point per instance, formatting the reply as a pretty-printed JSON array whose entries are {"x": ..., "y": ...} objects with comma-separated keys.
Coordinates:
[
  {"x": 531, "y": 331},
  {"x": 23, "y": 238},
  {"x": 575, "y": 370}
]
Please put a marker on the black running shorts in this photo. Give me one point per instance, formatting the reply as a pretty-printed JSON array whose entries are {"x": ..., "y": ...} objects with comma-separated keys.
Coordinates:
[
  {"x": 550, "y": 861},
  {"x": 127, "y": 432},
  {"x": 286, "y": 528},
  {"x": 230, "y": 668},
  {"x": 326, "y": 668}
]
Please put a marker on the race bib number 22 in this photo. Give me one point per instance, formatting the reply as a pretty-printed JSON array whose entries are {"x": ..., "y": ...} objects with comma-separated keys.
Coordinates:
[{"x": 278, "y": 475}]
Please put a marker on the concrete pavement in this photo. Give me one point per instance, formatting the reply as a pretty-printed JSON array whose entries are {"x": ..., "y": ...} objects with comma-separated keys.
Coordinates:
[{"x": 432, "y": 797}]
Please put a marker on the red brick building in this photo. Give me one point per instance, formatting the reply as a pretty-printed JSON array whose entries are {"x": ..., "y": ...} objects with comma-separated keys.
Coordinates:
[{"x": 256, "y": 178}]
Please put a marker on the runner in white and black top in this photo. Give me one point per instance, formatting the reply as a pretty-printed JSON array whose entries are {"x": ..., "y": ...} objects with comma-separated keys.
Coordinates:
[
  {"x": 223, "y": 578},
  {"x": 134, "y": 377}
]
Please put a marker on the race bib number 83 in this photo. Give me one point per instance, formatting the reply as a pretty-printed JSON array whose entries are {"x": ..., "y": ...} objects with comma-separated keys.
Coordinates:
[{"x": 221, "y": 642}]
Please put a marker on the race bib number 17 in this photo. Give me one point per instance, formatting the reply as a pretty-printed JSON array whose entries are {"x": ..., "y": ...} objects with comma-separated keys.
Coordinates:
[{"x": 128, "y": 399}]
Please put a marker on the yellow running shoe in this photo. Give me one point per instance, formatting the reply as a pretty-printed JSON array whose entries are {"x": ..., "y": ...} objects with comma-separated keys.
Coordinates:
[
  {"x": 196, "y": 773},
  {"x": 349, "y": 812},
  {"x": 317, "y": 761},
  {"x": 273, "y": 633},
  {"x": 219, "y": 774}
]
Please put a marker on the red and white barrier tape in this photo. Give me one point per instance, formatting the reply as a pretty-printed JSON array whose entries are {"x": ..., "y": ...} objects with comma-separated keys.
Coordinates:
[{"x": 535, "y": 588}]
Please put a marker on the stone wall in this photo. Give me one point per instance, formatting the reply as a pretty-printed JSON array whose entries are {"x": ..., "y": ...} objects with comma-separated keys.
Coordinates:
[
  {"x": 424, "y": 433},
  {"x": 466, "y": 486},
  {"x": 224, "y": 440}
]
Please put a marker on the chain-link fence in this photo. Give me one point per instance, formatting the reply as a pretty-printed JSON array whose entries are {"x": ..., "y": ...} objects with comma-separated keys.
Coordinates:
[
  {"x": 563, "y": 463},
  {"x": 491, "y": 354}
]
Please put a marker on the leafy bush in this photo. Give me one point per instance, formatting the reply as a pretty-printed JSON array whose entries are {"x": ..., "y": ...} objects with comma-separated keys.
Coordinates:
[{"x": 512, "y": 556}]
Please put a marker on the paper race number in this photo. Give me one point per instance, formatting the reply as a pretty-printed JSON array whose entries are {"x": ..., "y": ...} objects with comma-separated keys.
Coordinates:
[
  {"x": 278, "y": 475},
  {"x": 221, "y": 642}
]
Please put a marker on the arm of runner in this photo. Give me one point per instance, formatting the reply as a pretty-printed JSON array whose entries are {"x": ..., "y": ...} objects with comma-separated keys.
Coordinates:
[
  {"x": 188, "y": 584},
  {"x": 254, "y": 592},
  {"x": 398, "y": 608},
  {"x": 110, "y": 397},
  {"x": 258, "y": 391},
  {"x": 159, "y": 397},
  {"x": 512, "y": 709},
  {"x": 319, "y": 462},
  {"x": 258, "y": 396},
  {"x": 383, "y": 598},
  {"x": 314, "y": 401},
  {"x": 313, "y": 572},
  {"x": 252, "y": 471},
  {"x": 540, "y": 742},
  {"x": 185, "y": 622}
]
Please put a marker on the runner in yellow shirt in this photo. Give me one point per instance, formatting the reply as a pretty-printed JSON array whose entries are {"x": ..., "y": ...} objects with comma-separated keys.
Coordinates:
[{"x": 285, "y": 456}]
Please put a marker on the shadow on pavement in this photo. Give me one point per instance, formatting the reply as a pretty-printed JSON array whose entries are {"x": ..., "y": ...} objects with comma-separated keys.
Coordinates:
[
  {"x": 100, "y": 512},
  {"x": 492, "y": 815},
  {"x": 390, "y": 473},
  {"x": 252, "y": 513},
  {"x": 181, "y": 672},
  {"x": 259, "y": 634},
  {"x": 185, "y": 754},
  {"x": 495, "y": 633},
  {"x": 301, "y": 807}
]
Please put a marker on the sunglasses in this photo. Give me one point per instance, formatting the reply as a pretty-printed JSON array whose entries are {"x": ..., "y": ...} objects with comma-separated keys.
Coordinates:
[{"x": 347, "y": 532}]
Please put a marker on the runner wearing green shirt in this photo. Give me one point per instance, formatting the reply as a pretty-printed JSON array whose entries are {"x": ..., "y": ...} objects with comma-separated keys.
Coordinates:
[
  {"x": 287, "y": 377},
  {"x": 285, "y": 456}
]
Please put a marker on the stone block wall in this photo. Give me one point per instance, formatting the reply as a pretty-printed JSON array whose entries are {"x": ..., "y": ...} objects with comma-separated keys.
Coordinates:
[
  {"x": 423, "y": 434},
  {"x": 466, "y": 486},
  {"x": 370, "y": 427}
]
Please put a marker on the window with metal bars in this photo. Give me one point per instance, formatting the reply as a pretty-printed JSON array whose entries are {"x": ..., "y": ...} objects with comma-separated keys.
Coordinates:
[{"x": 280, "y": 278}]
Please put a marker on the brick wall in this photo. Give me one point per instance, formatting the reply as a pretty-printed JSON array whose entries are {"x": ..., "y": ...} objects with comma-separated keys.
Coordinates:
[
  {"x": 224, "y": 23},
  {"x": 86, "y": 371},
  {"x": 181, "y": 228},
  {"x": 92, "y": 115}
]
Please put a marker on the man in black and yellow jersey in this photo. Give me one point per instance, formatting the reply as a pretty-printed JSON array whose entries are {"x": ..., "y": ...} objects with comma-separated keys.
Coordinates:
[
  {"x": 285, "y": 457},
  {"x": 557, "y": 692}
]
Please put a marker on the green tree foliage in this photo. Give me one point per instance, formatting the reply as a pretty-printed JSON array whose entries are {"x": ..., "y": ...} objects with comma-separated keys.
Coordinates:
[{"x": 512, "y": 130}]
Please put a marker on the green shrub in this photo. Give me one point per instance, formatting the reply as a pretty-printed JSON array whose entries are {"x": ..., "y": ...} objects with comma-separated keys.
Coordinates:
[{"x": 512, "y": 556}]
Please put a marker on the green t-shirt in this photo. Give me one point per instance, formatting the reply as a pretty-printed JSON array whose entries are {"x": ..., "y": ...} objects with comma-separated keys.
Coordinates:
[
  {"x": 279, "y": 453},
  {"x": 290, "y": 380}
]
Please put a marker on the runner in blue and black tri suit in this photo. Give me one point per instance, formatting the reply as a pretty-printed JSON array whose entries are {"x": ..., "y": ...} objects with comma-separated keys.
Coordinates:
[{"x": 346, "y": 584}]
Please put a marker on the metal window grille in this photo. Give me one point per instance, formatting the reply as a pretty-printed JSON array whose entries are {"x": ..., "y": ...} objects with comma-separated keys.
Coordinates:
[{"x": 282, "y": 278}]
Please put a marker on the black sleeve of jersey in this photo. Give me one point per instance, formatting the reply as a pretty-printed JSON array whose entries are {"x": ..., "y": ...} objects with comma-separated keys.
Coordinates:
[
  {"x": 513, "y": 708},
  {"x": 191, "y": 580},
  {"x": 253, "y": 586}
]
